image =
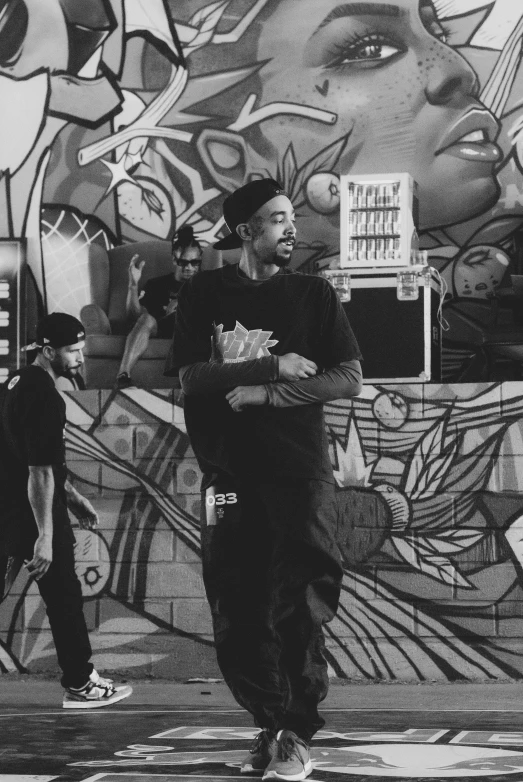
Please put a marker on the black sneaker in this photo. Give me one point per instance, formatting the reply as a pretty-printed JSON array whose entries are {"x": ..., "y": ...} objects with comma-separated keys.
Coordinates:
[
  {"x": 292, "y": 760},
  {"x": 123, "y": 380},
  {"x": 260, "y": 754}
]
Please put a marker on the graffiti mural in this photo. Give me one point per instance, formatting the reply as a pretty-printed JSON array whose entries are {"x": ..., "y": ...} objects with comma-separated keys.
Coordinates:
[
  {"x": 128, "y": 119},
  {"x": 431, "y": 531},
  {"x": 124, "y": 120}
]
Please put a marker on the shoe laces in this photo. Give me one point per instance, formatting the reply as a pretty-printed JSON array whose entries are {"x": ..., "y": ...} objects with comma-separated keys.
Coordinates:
[
  {"x": 261, "y": 742},
  {"x": 287, "y": 746},
  {"x": 99, "y": 681}
]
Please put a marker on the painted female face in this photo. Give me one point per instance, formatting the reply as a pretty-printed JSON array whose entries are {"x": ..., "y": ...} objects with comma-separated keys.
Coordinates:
[{"x": 406, "y": 99}]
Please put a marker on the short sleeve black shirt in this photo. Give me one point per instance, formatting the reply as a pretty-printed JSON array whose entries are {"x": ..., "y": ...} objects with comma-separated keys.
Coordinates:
[
  {"x": 158, "y": 292},
  {"x": 32, "y": 421},
  {"x": 224, "y": 316}
]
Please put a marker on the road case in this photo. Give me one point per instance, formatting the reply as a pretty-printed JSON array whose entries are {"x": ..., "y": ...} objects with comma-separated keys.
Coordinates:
[{"x": 400, "y": 340}]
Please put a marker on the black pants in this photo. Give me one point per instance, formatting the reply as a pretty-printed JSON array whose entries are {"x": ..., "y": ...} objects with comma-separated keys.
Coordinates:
[
  {"x": 62, "y": 594},
  {"x": 272, "y": 573}
]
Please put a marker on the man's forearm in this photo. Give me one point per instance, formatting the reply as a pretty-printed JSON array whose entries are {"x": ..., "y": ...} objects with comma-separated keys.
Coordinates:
[
  {"x": 133, "y": 307},
  {"x": 208, "y": 377},
  {"x": 40, "y": 491},
  {"x": 340, "y": 382}
]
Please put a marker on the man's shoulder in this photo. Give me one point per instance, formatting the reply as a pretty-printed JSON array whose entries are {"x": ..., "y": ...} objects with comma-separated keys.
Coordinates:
[
  {"x": 158, "y": 282},
  {"x": 302, "y": 280},
  {"x": 30, "y": 378},
  {"x": 207, "y": 280}
]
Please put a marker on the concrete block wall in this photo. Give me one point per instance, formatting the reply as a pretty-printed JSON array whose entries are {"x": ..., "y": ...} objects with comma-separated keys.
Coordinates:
[{"x": 430, "y": 492}]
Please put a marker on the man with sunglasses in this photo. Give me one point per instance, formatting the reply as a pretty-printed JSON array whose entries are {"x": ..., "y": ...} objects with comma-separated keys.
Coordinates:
[{"x": 153, "y": 308}]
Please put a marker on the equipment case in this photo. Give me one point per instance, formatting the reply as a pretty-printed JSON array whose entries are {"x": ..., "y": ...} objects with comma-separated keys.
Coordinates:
[{"x": 400, "y": 341}]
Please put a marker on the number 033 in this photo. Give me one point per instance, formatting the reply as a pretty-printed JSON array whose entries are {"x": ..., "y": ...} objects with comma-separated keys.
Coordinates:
[{"x": 222, "y": 499}]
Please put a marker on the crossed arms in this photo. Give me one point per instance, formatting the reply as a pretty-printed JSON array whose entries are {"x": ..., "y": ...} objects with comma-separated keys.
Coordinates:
[{"x": 278, "y": 381}]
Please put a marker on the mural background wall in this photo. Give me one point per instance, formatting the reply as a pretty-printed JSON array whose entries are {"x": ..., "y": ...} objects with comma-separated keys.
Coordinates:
[{"x": 123, "y": 120}]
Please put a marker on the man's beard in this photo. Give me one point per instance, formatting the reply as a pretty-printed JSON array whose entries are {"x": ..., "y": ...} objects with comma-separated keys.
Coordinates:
[
  {"x": 61, "y": 371},
  {"x": 279, "y": 260}
]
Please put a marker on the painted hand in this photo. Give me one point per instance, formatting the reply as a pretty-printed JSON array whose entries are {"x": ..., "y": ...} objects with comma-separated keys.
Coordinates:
[
  {"x": 245, "y": 396},
  {"x": 84, "y": 512}
]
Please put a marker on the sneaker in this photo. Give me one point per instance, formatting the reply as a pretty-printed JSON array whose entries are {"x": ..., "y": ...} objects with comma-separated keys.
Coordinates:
[
  {"x": 96, "y": 693},
  {"x": 292, "y": 759},
  {"x": 260, "y": 754},
  {"x": 123, "y": 380}
]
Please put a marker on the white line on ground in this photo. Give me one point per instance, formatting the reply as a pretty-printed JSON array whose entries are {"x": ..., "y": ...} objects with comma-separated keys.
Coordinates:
[{"x": 128, "y": 712}]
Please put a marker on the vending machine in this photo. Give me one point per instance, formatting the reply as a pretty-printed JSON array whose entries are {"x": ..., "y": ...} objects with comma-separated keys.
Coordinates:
[{"x": 392, "y": 297}]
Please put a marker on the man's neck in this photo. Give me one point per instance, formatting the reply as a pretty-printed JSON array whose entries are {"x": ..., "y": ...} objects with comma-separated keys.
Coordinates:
[
  {"x": 256, "y": 269},
  {"x": 42, "y": 362}
]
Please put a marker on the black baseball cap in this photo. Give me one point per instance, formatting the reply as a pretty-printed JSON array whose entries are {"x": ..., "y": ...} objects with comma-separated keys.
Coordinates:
[
  {"x": 57, "y": 330},
  {"x": 242, "y": 204}
]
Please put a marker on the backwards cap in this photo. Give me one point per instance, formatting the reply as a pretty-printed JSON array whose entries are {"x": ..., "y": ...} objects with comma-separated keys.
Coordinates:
[
  {"x": 57, "y": 330},
  {"x": 242, "y": 204}
]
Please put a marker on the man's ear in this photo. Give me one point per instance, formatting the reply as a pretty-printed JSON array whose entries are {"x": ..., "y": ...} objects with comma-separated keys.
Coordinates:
[
  {"x": 244, "y": 232},
  {"x": 225, "y": 157}
]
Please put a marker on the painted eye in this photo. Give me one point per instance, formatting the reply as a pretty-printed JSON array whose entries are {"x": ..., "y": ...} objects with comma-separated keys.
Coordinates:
[{"x": 371, "y": 49}]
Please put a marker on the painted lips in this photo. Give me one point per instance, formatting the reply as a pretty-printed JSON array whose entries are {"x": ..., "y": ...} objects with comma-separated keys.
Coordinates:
[{"x": 472, "y": 138}]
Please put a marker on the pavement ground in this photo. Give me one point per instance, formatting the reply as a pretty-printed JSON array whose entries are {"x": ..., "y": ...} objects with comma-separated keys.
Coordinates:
[{"x": 189, "y": 732}]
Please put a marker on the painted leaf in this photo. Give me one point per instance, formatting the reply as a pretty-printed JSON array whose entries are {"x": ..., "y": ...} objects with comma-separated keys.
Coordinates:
[
  {"x": 430, "y": 443},
  {"x": 453, "y": 541},
  {"x": 433, "y": 565},
  {"x": 289, "y": 169},
  {"x": 326, "y": 160}
]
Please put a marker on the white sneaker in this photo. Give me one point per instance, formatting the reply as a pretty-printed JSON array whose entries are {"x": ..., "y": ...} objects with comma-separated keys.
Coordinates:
[{"x": 97, "y": 692}]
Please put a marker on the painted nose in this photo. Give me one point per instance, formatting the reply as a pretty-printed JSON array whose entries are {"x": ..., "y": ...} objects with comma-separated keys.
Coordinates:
[{"x": 450, "y": 78}]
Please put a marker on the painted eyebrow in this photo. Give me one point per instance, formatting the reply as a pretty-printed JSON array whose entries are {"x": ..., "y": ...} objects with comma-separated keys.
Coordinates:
[
  {"x": 275, "y": 214},
  {"x": 360, "y": 9}
]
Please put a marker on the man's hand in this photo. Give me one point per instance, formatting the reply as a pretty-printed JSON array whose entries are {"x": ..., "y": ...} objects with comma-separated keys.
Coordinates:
[
  {"x": 171, "y": 306},
  {"x": 83, "y": 511},
  {"x": 246, "y": 396},
  {"x": 295, "y": 367},
  {"x": 42, "y": 557},
  {"x": 135, "y": 270}
]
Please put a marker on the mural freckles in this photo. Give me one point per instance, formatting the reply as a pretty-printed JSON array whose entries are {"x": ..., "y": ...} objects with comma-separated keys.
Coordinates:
[{"x": 126, "y": 119}]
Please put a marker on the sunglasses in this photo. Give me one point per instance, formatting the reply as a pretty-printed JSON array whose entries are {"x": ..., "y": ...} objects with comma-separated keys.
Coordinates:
[{"x": 183, "y": 264}]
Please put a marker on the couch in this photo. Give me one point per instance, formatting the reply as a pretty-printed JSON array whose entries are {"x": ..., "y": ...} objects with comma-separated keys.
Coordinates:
[{"x": 106, "y": 324}]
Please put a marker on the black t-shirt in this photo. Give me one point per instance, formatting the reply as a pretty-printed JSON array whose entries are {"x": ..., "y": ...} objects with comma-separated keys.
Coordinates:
[
  {"x": 32, "y": 421},
  {"x": 223, "y": 315},
  {"x": 158, "y": 292}
]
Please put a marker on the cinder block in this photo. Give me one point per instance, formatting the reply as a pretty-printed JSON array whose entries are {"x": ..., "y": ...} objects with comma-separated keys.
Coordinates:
[
  {"x": 182, "y": 552},
  {"x": 85, "y": 477},
  {"x": 188, "y": 477},
  {"x": 110, "y": 510},
  {"x": 159, "y": 545},
  {"x": 511, "y": 399},
  {"x": 192, "y": 616},
  {"x": 160, "y": 609},
  {"x": 82, "y": 407},
  {"x": 113, "y": 482},
  {"x": 118, "y": 440},
  {"x": 174, "y": 579},
  {"x": 135, "y": 406}
]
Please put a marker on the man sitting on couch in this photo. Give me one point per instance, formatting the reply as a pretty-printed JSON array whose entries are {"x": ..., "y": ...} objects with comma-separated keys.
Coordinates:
[{"x": 153, "y": 308}]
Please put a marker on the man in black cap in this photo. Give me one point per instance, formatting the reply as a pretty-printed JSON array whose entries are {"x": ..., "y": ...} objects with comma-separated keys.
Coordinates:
[
  {"x": 258, "y": 348},
  {"x": 34, "y": 494}
]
